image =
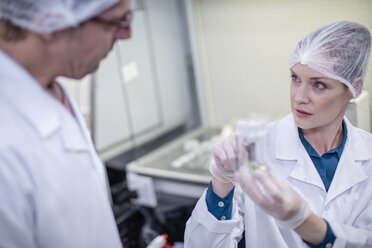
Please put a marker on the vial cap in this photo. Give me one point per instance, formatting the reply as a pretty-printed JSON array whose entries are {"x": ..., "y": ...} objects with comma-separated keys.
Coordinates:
[{"x": 251, "y": 128}]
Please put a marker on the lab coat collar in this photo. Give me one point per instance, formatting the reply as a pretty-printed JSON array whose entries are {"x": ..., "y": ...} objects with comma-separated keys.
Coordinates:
[
  {"x": 349, "y": 171},
  {"x": 288, "y": 141},
  {"x": 356, "y": 144},
  {"x": 289, "y": 147},
  {"x": 45, "y": 114}
]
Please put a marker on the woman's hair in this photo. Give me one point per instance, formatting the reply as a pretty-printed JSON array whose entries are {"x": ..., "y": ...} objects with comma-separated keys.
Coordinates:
[
  {"x": 10, "y": 32},
  {"x": 339, "y": 50}
]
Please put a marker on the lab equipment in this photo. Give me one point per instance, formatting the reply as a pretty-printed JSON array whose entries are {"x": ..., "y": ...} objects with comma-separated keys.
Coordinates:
[
  {"x": 339, "y": 50},
  {"x": 252, "y": 145},
  {"x": 140, "y": 225},
  {"x": 247, "y": 149},
  {"x": 178, "y": 168},
  {"x": 198, "y": 154},
  {"x": 44, "y": 16},
  {"x": 160, "y": 242},
  {"x": 287, "y": 206}
]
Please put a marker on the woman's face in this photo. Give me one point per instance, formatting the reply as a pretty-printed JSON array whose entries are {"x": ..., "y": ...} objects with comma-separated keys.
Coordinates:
[{"x": 317, "y": 101}]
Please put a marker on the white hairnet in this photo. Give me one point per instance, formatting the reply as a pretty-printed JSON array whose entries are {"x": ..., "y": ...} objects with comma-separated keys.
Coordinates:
[
  {"x": 45, "y": 16},
  {"x": 339, "y": 50}
]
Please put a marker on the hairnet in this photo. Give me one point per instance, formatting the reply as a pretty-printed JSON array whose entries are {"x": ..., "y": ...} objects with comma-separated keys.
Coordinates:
[
  {"x": 45, "y": 16},
  {"x": 339, "y": 50}
]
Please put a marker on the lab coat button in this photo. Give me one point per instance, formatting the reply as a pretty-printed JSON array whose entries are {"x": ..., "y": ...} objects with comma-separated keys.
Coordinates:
[
  {"x": 223, "y": 218},
  {"x": 327, "y": 208},
  {"x": 328, "y": 245},
  {"x": 221, "y": 204}
]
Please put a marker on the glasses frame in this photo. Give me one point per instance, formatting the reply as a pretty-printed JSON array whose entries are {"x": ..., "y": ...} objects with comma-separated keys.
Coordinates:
[{"x": 122, "y": 23}]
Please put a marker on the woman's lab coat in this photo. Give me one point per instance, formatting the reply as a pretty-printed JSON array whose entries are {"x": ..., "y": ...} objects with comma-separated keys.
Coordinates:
[
  {"x": 347, "y": 206},
  {"x": 52, "y": 184}
]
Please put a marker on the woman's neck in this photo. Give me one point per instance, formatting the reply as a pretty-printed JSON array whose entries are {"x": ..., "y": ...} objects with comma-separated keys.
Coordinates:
[{"x": 326, "y": 138}]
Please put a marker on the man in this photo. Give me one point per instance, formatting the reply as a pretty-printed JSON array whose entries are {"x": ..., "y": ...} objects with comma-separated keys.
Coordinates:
[{"x": 52, "y": 185}]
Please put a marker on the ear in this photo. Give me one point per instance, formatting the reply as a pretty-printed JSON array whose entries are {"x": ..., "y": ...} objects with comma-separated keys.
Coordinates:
[
  {"x": 54, "y": 36},
  {"x": 358, "y": 85},
  {"x": 53, "y": 42}
]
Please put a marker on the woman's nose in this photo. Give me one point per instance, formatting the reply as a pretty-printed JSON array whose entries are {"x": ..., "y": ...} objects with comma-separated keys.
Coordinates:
[{"x": 302, "y": 94}]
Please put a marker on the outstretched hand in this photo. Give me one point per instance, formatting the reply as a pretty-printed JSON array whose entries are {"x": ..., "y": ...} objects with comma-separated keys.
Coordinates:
[{"x": 275, "y": 196}]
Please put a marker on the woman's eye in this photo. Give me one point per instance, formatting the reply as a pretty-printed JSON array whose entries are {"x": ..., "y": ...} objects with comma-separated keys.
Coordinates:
[
  {"x": 319, "y": 85},
  {"x": 295, "y": 78}
]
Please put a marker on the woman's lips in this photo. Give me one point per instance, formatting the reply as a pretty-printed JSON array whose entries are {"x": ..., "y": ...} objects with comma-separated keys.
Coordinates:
[{"x": 301, "y": 113}]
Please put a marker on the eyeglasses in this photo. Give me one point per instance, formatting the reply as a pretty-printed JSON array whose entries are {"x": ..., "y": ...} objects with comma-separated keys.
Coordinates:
[{"x": 123, "y": 23}]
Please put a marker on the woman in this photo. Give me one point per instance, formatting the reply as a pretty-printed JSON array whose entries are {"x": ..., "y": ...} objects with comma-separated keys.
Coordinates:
[{"x": 318, "y": 192}]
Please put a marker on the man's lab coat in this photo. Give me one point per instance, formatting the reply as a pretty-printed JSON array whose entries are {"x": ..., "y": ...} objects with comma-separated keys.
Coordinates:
[
  {"x": 347, "y": 206},
  {"x": 52, "y": 186}
]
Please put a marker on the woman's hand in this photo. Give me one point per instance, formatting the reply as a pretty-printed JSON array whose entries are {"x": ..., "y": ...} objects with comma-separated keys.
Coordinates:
[
  {"x": 225, "y": 164},
  {"x": 276, "y": 197},
  {"x": 225, "y": 159}
]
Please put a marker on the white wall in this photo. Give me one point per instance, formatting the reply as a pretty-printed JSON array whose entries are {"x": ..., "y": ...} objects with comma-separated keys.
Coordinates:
[{"x": 245, "y": 45}]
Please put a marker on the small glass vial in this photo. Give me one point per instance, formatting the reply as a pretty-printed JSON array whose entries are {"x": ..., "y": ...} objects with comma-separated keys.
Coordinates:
[{"x": 252, "y": 145}]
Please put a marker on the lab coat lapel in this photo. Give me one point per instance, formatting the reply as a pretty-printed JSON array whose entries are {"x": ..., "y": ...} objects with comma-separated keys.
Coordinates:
[
  {"x": 44, "y": 113},
  {"x": 289, "y": 147},
  {"x": 79, "y": 119},
  {"x": 349, "y": 172},
  {"x": 86, "y": 138},
  {"x": 49, "y": 117},
  {"x": 305, "y": 171},
  {"x": 74, "y": 136}
]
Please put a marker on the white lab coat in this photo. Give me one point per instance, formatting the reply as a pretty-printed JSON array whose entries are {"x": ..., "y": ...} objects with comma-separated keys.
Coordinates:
[
  {"x": 52, "y": 188},
  {"x": 347, "y": 206}
]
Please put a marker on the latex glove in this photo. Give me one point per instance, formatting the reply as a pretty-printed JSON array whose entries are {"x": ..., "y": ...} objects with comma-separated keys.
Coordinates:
[
  {"x": 276, "y": 197},
  {"x": 225, "y": 159}
]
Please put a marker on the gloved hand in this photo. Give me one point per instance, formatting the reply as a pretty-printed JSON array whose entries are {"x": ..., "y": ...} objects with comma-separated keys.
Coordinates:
[
  {"x": 278, "y": 198},
  {"x": 225, "y": 159}
]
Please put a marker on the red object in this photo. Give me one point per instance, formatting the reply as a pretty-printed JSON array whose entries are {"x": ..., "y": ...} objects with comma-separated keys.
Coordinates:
[{"x": 166, "y": 245}]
